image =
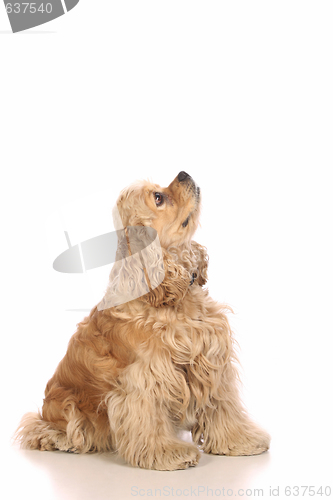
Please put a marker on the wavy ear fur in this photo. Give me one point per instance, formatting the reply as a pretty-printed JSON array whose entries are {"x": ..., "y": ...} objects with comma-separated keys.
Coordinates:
[
  {"x": 147, "y": 272},
  {"x": 138, "y": 266},
  {"x": 144, "y": 271}
]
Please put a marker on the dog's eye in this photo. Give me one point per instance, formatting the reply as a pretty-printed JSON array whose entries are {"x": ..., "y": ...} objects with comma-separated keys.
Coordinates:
[{"x": 158, "y": 199}]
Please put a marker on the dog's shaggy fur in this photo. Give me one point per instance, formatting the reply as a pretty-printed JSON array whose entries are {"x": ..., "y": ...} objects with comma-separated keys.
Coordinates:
[{"x": 137, "y": 373}]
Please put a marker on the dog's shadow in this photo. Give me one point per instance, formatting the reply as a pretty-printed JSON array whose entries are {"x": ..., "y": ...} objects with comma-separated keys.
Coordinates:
[{"x": 103, "y": 474}]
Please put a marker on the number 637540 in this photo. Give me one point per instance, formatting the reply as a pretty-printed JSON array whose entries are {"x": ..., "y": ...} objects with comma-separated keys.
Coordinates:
[{"x": 28, "y": 8}]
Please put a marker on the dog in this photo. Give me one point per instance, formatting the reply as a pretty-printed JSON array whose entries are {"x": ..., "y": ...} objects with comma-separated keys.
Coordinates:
[{"x": 137, "y": 373}]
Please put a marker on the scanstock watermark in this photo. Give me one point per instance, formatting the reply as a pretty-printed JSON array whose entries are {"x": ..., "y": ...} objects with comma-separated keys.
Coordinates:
[
  {"x": 207, "y": 492},
  {"x": 26, "y": 15}
]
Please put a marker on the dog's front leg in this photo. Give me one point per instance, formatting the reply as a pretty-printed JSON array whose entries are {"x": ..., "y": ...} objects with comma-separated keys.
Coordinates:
[
  {"x": 223, "y": 426},
  {"x": 140, "y": 410}
]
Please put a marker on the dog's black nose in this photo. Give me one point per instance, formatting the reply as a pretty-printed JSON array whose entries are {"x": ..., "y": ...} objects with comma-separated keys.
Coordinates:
[{"x": 182, "y": 176}]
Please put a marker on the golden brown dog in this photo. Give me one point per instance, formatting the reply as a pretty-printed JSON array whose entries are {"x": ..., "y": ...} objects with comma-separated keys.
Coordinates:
[{"x": 137, "y": 373}]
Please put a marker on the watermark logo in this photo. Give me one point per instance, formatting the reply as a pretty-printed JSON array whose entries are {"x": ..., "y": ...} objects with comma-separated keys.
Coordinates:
[
  {"x": 26, "y": 15},
  {"x": 95, "y": 259},
  {"x": 137, "y": 257}
]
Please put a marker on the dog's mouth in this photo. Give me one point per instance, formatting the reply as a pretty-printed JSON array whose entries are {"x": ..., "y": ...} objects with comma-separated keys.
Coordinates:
[
  {"x": 188, "y": 196},
  {"x": 196, "y": 193}
]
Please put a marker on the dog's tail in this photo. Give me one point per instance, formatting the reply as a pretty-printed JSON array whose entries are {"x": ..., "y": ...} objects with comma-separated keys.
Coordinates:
[{"x": 35, "y": 433}]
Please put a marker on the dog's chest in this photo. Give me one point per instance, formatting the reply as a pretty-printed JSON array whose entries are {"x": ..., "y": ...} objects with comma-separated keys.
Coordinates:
[{"x": 195, "y": 331}]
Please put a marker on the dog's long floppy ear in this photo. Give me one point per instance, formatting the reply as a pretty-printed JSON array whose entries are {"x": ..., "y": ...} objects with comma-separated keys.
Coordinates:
[
  {"x": 144, "y": 270},
  {"x": 138, "y": 253}
]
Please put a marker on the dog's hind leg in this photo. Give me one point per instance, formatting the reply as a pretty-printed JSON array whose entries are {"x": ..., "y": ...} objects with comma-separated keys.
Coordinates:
[
  {"x": 65, "y": 427},
  {"x": 36, "y": 434}
]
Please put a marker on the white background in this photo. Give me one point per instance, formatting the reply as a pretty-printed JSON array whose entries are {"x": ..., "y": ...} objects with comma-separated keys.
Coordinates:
[{"x": 239, "y": 95}]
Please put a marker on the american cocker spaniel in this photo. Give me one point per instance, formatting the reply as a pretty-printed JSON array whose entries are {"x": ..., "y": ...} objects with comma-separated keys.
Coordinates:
[{"x": 138, "y": 371}]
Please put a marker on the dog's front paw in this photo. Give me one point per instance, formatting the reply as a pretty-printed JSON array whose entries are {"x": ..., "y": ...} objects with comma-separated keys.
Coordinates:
[
  {"x": 239, "y": 445},
  {"x": 173, "y": 456},
  {"x": 250, "y": 445},
  {"x": 177, "y": 456}
]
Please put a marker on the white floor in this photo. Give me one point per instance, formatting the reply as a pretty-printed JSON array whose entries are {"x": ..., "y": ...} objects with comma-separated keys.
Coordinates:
[{"x": 295, "y": 459}]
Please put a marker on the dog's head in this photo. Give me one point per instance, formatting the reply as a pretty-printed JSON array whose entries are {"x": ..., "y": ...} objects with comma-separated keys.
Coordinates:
[
  {"x": 173, "y": 211},
  {"x": 157, "y": 272}
]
